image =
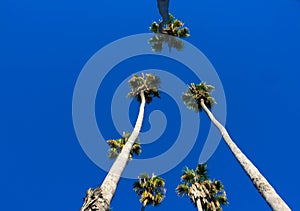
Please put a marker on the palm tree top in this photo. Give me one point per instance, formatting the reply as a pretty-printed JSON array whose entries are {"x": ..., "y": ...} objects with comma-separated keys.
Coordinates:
[
  {"x": 197, "y": 92},
  {"x": 116, "y": 145},
  {"x": 190, "y": 176},
  {"x": 174, "y": 28},
  {"x": 148, "y": 84},
  {"x": 151, "y": 189},
  {"x": 198, "y": 186}
]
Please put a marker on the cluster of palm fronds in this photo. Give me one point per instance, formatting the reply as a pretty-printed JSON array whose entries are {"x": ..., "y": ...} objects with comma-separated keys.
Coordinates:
[
  {"x": 197, "y": 92},
  {"x": 197, "y": 185},
  {"x": 116, "y": 145},
  {"x": 151, "y": 189},
  {"x": 174, "y": 28},
  {"x": 148, "y": 84}
]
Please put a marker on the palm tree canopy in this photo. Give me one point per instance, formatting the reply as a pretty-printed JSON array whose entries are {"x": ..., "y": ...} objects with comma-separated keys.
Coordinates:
[
  {"x": 151, "y": 189},
  {"x": 174, "y": 28},
  {"x": 148, "y": 84},
  {"x": 197, "y": 185},
  {"x": 116, "y": 145},
  {"x": 197, "y": 92}
]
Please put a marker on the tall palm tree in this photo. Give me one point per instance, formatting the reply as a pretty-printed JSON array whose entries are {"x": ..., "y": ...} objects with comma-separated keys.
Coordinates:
[
  {"x": 205, "y": 194},
  {"x": 151, "y": 189},
  {"x": 144, "y": 88},
  {"x": 198, "y": 97},
  {"x": 116, "y": 146}
]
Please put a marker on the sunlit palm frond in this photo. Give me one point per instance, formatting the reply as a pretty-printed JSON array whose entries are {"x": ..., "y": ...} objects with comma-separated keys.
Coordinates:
[
  {"x": 188, "y": 176},
  {"x": 174, "y": 28},
  {"x": 197, "y": 185},
  {"x": 151, "y": 189},
  {"x": 148, "y": 84},
  {"x": 197, "y": 92},
  {"x": 116, "y": 146}
]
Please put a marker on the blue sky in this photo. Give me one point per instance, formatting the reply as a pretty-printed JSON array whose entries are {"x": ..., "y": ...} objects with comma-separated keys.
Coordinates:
[{"x": 254, "y": 47}]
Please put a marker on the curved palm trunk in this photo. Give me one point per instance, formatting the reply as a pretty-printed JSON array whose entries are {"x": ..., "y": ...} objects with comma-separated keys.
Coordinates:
[
  {"x": 109, "y": 185},
  {"x": 199, "y": 206},
  {"x": 143, "y": 208},
  {"x": 258, "y": 180}
]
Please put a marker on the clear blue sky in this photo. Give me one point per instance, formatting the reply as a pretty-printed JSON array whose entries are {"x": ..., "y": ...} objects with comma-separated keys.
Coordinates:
[{"x": 254, "y": 46}]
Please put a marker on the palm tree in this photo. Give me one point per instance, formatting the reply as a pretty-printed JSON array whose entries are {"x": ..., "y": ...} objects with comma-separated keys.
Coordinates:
[
  {"x": 198, "y": 97},
  {"x": 205, "y": 194},
  {"x": 144, "y": 88},
  {"x": 116, "y": 146},
  {"x": 152, "y": 190},
  {"x": 174, "y": 28}
]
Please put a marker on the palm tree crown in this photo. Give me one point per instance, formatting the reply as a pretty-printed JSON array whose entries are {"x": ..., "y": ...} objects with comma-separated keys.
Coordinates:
[
  {"x": 197, "y": 92},
  {"x": 148, "y": 85},
  {"x": 203, "y": 192},
  {"x": 116, "y": 145},
  {"x": 174, "y": 28},
  {"x": 151, "y": 189}
]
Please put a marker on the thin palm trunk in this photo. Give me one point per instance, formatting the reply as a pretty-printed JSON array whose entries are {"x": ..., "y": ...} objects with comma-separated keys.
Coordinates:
[
  {"x": 109, "y": 185},
  {"x": 258, "y": 180},
  {"x": 199, "y": 206},
  {"x": 144, "y": 205}
]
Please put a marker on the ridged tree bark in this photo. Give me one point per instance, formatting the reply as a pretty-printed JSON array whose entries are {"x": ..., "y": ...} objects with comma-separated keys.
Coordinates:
[
  {"x": 109, "y": 185},
  {"x": 258, "y": 180}
]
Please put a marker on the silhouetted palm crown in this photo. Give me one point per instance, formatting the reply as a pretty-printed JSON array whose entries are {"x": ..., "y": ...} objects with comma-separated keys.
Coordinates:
[
  {"x": 197, "y": 185},
  {"x": 148, "y": 84}
]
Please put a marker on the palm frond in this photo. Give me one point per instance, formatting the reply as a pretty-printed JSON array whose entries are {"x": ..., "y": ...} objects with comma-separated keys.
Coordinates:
[
  {"x": 174, "y": 28},
  {"x": 116, "y": 146},
  {"x": 182, "y": 189},
  {"x": 148, "y": 85},
  {"x": 151, "y": 189},
  {"x": 197, "y": 92},
  {"x": 197, "y": 185}
]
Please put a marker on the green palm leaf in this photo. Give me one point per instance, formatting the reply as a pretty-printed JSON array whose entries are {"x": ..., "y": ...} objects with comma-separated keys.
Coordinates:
[
  {"x": 151, "y": 189},
  {"x": 116, "y": 145}
]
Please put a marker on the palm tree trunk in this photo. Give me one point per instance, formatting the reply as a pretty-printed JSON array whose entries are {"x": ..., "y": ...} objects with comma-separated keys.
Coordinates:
[
  {"x": 258, "y": 180},
  {"x": 109, "y": 185},
  {"x": 143, "y": 208},
  {"x": 199, "y": 206}
]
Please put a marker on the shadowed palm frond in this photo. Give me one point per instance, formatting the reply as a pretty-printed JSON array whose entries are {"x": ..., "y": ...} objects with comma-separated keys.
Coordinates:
[{"x": 182, "y": 189}]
